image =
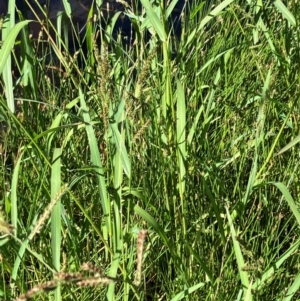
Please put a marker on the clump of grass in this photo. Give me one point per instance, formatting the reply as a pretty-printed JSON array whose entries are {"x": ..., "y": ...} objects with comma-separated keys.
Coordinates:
[
  {"x": 94, "y": 278},
  {"x": 198, "y": 145}
]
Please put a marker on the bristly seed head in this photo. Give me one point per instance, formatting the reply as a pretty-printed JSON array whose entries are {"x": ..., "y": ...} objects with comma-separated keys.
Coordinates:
[{"x": 140, "y": 253}]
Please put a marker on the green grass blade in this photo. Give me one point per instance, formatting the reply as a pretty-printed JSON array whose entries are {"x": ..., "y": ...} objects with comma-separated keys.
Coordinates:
[
  {"x": 118, "y": 179},
  {"x": 285, "y": 12},
  {"x": 68, "y": 8},
  {"x": 156, "y": 23},
  {"x": 289, "y": 200},
  {"x": 294, "y": 288},
  {"x": 27, "y": 53},
  {"x": 170, "y": 8},
  {"x": 55, "y": 124},
  {"x": 110, "y": 27},
  {"x": 119, "y": 139},
  {"x": 194, "y": 125},
  {"x": 187, "y": 292},
  {"x": 201, "y": 262},
  {"x": 248, "y": 295},
  {"x": 9, "y": 43},
  {"x": 7, "y": 70},
  {"x": 8, "y": 84},
  {"x": 270, "y": 154},
  {"x": 14, "y": 194},
  {"x": 289, "y": 145},
  {"x": 14, "y": 215},
  {"x": 181, "y": 137},
  {"x": 9, "y": 35},
  {"x": 258, "y": 284},
  {"x": 239, "y": 257},
  {"x": 214, "y": 59},
  {"x": 157, "y": 228},
  {"x": 56, "y": 216},
  {"x": 96, "y": 161}
]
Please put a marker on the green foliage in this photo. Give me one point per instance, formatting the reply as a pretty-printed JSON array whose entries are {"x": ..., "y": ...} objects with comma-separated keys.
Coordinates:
[{"x": 153, "y": 166}]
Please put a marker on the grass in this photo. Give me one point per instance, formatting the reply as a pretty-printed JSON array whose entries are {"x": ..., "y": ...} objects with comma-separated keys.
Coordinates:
[{"x": 165, "y": 168}]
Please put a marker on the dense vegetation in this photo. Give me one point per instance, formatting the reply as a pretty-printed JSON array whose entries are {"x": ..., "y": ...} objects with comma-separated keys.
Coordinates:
[{"x": 162, "y": 167}]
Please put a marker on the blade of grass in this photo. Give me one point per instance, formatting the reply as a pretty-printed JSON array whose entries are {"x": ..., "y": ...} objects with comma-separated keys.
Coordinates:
[
  {"x": 14, "y": 195},
  {"x": 289, "y": 200},
  {"x": 170, "y": 8},
  {"x": 181, "y": 152},
  {"x": 294, "y": 288},
  {"x": 258, "y": 284},
  {"x": 158, "y": 229},
  {"x": 270, "y": 154},
  {"x": 248, "y": 295},
  {"x": 7, "y": 70},
  {"x": 156, "y": 23},
  {"x": 9, "y": 43},
  {"x": 9, "y": 35},
  {"x": 289, "y": 145},
  {"x": 239, "y": 257},
  {"x": 96, "y": 161},
  {"x": 27, "y": 53},
  {"x": 55, "y": 124},
  {"x": 187, "y": 292},
  {"x": 67, "y": 7},
  {"x": 119, "y": 138},
  {"x": 118, "y": 179},
  {"x": 56, "y": 216},
  {"x": 285, "y": 12}
]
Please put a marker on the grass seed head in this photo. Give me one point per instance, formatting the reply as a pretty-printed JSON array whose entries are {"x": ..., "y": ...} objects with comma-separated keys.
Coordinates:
[
  {"x": 140, "y": 253},
  {"x": 40, "y": 223}
]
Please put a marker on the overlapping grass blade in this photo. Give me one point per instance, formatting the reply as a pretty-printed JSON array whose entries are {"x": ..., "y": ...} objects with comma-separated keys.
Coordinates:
[
  {"x": 27, "y": 53},
  {"x": 293, "y": 289}
]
